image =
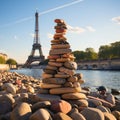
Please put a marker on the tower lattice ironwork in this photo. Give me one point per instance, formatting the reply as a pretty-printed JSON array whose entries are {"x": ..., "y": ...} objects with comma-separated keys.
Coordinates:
[{"x": 36, "y": 46}]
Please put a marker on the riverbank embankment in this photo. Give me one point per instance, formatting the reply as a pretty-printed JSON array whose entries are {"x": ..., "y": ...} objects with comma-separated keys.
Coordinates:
[
  {"x": 4, "y": 67},
  {"x": 21, "y": 97}
]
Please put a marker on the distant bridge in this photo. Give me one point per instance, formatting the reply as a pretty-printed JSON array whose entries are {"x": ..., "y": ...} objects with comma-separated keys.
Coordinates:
[{"x": 106, "y": 64}]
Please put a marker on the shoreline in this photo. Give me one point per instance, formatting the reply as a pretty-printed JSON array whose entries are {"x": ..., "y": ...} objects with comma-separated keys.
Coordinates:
[{"x": 18, "y": 89}]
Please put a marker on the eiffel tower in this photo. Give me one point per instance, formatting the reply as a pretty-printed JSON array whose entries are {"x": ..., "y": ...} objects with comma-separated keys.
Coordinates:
[{"x": 36, "y": 46}]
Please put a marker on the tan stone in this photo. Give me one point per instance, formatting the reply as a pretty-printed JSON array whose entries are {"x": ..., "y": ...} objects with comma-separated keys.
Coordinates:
[
  {"x": 102, "y": 108},
  {"x": 41, "y": 114},
  {"x": 58, "y": 81},
  {"x": 9, "y": 87},
  {"x": 62, "y": 116},
  {"x": 60, "y": 46},
  {"x": 71, "y": 65},
  {"x": 61, "y": 106},
  {"x": 46, "y": 97},
  {"x": 48, "y": 71},
  {"x": 47, "y": 86},
  {"x": 72, "y": 79},
  {"x": 116, "y": 114},
  {"x": 77, "y": 116},
  {"x": 41, "y": 104},
  {"x": 50, "y": 67},
  {"x": 74, "y": 96},
  {"x": 109, "y": 116},
  {"x": 80, "y": 102},
  {"x": 81, "y": 81},
  {"x": 56, "y": 64},
  {"x": 94, "y": 103},
  {"x": 59, "y": 51},
  {"x": 62, "y": 60},
  {"x": 64, "y": 90},
  {"x": 68, "y": 84},
  {"x": 92, "y": 114},
  {"x": 8, "y": 97},
  {"x": 61, "y": 75},
  {"x": 67, "y": 71},
  {"x": 79, "y": 76},
  {"x": 45, "y": 75},
  {"x": 21, "y": 112}
]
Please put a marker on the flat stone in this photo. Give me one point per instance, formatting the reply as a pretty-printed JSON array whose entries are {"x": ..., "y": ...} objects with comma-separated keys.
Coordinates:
[
  {"x": 46, "y": 97},
  {"x": 42, "y": 104},
  {"x": 116, "y": 114},
  {"x": 61, "y": 106},
  {"x": 109, "y": 116},
  {"x": 77, "y": 116},
  {"x": 62, "y": 116},
  {"x": 9, "y": 87},
  {"x": 21, "y": 112},
  {"x": 80, "y": 102},
  {"x": 74, "y": 96},
  {"x": 41, "y": 114},
  {"x": 92, "y": 114},
  {"x": 64, "y": 90},
  {"x": 58, "y": 81},
  {"x": 71, "y": 65},
  {"x": 102, "y": 108},
  {"x": 48, "y": 86}
]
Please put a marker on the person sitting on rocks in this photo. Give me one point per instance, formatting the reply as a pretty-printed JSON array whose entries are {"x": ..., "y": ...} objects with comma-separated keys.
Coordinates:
[{"x": 103, "y": 96}]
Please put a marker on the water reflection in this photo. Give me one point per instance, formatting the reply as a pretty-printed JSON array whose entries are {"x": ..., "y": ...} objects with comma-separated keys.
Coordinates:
[{"x": 93, "y": 78}]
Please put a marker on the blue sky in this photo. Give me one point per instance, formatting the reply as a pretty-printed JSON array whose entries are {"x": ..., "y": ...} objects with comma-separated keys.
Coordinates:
[{"x": 91, "y": 23}]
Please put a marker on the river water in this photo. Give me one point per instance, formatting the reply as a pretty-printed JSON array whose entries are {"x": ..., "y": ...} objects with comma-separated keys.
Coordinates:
[{"x": 93, "y": 78}]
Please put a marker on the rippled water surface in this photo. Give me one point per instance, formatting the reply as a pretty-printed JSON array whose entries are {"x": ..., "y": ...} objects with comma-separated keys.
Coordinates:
[{"x": 93, "y": 78}]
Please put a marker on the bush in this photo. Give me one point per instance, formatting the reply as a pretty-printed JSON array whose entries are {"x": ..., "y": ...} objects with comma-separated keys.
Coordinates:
[
  {"x": 11, "y": 61},
  {"x": 2, "y": 60}
]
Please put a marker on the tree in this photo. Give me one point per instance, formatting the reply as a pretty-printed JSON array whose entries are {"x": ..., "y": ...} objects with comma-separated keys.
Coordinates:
[
  {"x": 89, "y": 50},
  {"x": 11, "y": 61},
  {"x": 79, "y": 55},
  {"x": 104, "y": 52},
  {"x": 91, "y": 54},
  {"x": 2, "y": 60},
  {"x": 115, "y": 49}
]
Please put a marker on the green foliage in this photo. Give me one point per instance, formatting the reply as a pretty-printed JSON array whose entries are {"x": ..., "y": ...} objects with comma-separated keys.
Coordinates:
[
  {"x": 105, "y": 52},
  {"x": 79, "y": 55},
  {"x": 115, "y": 49},
  {"x": 2, "y": 60},
  {"x": 11, "y": 61},
  {"x": 109, "y": 51},
  {"x": 89, "y": 54}
]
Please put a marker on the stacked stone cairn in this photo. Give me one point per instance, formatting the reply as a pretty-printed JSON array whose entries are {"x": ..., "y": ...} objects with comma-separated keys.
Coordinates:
[
  {"x": 58, "y": 96},
  {"x": 59, "y": 76}
]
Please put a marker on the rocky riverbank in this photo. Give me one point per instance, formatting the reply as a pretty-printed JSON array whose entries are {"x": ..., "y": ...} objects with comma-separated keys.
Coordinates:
[{"x": 21, "y": 99}]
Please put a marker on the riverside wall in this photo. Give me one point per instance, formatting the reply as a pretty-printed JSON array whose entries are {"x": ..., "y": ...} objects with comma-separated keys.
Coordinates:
[{"x": 4, "y": 67}]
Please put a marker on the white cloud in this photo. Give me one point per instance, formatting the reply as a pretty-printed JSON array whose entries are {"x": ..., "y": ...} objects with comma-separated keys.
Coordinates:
[
  {"x": 116, "y": 19},
  {"x": 50, "y": 35},
  {"x": 90, "y": 28},
  {"x": 75, "y": 29}
]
